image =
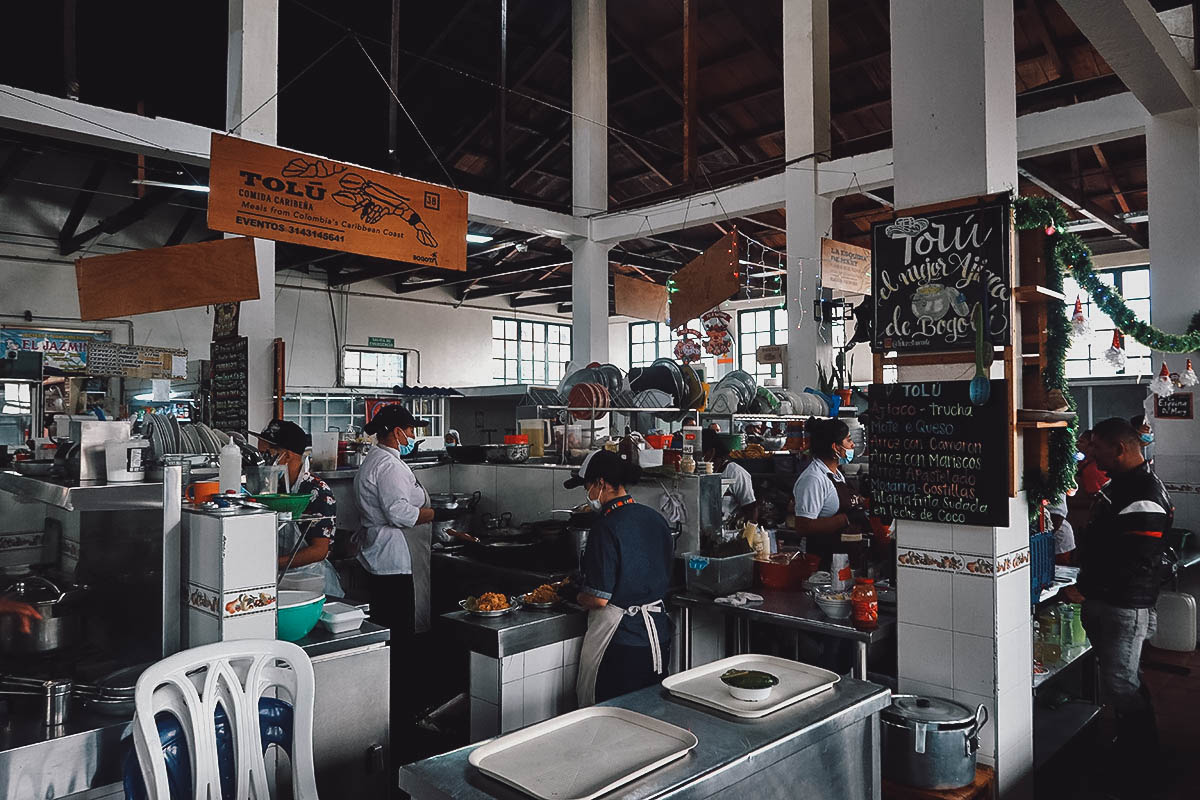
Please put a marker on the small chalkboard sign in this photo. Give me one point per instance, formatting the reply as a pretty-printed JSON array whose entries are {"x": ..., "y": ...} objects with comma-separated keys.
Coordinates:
[
  {"x": 230, "y": 384},
  {"x": 1179, "y": 405},
  {"x": 936, "y": 457},
  {"x": 930, "y": 271}
]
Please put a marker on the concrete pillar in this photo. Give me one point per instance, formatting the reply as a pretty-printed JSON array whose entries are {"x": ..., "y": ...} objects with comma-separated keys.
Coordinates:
[
  {"x": 963, "y": 633},
  {"x": 1173, "y": 178},
  {"x": 252, "y": 78},
  {"x": 589, "y": 177},
  {"x": 809, "y": 215}
]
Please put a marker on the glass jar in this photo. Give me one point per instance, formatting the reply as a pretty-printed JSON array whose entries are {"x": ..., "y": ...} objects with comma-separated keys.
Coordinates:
[{"x": 864, "y": 602}]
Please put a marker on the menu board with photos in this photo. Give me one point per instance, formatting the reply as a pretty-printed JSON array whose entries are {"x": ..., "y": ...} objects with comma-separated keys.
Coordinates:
[
  {"x": 929, "y": 272},
  {"x": 936, "y": 457},
  {"x": 230, "y": 384}
]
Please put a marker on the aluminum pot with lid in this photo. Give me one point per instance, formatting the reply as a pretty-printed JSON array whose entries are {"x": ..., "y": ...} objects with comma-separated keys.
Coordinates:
[
  {"x": 452, "y": 510},
  {"x": 930, "y": 742},
  {"x": 61, "y": 624}
]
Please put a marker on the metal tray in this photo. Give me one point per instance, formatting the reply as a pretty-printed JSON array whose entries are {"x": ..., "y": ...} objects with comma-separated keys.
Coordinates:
[
  {"x": 797, "y": 681},
  {"x": 513, "y": 603},
  {"x": 559, "y": 759},
  {"x": 538, "y": 606}
]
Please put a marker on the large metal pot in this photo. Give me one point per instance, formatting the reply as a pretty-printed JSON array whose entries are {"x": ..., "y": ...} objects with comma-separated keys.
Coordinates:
[
  {"x": 930, "y": 742},
  {"x": 506, "y": 453},
  {"x": 61, "y": 624},
  {"x": 451, "y": 510}
]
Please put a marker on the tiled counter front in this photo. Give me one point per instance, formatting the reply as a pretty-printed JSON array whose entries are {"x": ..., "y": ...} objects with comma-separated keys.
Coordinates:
[{"x": 520, "y": 689}]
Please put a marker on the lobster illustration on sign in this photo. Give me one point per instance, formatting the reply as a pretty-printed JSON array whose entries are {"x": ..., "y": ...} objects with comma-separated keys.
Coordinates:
[
  {"x": 374, "y": 201},
  {"x": 687, "y": 349},
  {"x": 716, "y": 328}
]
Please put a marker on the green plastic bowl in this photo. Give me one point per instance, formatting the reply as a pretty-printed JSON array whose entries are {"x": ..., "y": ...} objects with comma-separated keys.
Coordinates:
[
  {"x": 297, "y": 613},
  {"x": 293, "y": 503}
]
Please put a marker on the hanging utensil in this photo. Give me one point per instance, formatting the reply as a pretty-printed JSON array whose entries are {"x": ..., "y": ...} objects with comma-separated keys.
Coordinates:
[{"x": 981, "y": 387}]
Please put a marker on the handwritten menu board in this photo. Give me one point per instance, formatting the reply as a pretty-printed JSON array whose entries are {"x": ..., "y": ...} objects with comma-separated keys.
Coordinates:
[
  {"x": 930, "y": 271},
  {"x": 935, "y": 457},
  {"x": 1179, "y": 405},
  {"x": 230, "y": 384}
]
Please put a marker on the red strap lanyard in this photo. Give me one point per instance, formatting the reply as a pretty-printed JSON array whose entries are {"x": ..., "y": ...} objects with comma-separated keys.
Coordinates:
[{"x": 624, "y": 501}]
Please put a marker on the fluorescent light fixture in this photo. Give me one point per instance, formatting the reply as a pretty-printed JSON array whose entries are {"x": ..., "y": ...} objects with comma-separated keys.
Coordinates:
[
  {"x": 187, "y": 187},
  {"x": 478, "y": 238}
]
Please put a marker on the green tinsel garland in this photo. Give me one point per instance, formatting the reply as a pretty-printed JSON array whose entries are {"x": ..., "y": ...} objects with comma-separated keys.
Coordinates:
[{"x": 1033, "y": 213}]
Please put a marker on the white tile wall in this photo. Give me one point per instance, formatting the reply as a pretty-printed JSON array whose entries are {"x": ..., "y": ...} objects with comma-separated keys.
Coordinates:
[
  {"x": 567, "y": 700},
  {"x": 512, "y": 668},
  {"x": 974, "y": 659},
  {"x": 1014, "y": 771},
  {"x": 485, "y": 720},
  {"x": 1014, "y": 659},
  {"x": 512, "y": 706},
  {"x": 926, "y": 654},
  {"x": 542, "y": 693},
  {"x": 541, "y": 659},
  {"x": 974, "y": 607},
  {"x": 1015, "y": 710},
  {"x": 571, "y": 649},
  {"x": 910, "y": 686},
  {"x": 476, "y": 478},
  {"x": 485, "y": 678},
  {"x": 987, "y": 737},
  {"x": 528, "y": 491},
  {"x": 1012, "y": 600},
  {"x": 924, "y": 597},
  {"x": 975, "y": 540},
  {"x": 434, "y": 479},
  {"x": 924, "y": 535}
]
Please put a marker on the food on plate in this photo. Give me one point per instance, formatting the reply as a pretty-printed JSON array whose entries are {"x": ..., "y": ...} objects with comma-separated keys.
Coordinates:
[
  {"x": 542, "y": 595},
  {"x": 488, "y": 601},
  {"x": 751, "y": 451},
  {"x": 751, "y": 685}
]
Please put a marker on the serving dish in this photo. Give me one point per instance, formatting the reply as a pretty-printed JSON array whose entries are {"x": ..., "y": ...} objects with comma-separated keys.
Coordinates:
[
  {"x": 703, "y": 685},
  {"x": 469, "y": 606}
]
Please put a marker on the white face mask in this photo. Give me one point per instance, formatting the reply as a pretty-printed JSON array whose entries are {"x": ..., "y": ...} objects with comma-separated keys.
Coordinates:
[{"x": 595, "y": 504}]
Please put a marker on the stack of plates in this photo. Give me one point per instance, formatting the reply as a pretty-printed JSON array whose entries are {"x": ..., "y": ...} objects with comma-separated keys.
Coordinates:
[{"x": 590, "y": 399}]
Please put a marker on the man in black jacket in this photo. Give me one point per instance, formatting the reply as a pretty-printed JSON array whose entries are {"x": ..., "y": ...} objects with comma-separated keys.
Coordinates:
[{"x": 1123, "y": 564}]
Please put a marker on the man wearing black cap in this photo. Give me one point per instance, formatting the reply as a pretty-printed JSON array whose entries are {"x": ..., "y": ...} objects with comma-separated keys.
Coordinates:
[{"x": 288, "y": 444}]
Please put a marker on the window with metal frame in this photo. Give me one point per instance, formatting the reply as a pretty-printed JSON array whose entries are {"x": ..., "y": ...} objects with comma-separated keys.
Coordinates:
[
  {"x": 327, "y": 411},
  {"x": 529, "y": 352},
  {"x": 758, "y": 327},
  {"x": 1085, "y": 358},
  {"x": 649, "y": 341},
  {"x": 375, "y": 368}
]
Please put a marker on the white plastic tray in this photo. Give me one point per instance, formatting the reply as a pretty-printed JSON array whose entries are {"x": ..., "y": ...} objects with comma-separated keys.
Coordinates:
[
  {"x": 796, "y": 682},
  {"x": 583, "y": 754}
]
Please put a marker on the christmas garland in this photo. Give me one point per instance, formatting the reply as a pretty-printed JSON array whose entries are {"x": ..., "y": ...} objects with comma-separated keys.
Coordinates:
[{"x": 1033, "y": 213}]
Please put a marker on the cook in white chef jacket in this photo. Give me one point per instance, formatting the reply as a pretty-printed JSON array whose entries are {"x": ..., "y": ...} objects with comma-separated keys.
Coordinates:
[
  {"x": 394, "y": 545},
  {"x": 739, "y": 498}
]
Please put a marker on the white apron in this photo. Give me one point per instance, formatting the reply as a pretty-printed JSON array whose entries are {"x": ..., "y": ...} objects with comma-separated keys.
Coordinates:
[
  {"x": 420, "y": 544},
  {"x": 602, "y": 626},
  {"x": 285, "y": 538}
]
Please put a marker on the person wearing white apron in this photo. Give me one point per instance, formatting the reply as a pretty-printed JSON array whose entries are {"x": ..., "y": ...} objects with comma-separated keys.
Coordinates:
[
  {"x": 288, "y": 445},
  {"x": 626, "y": 571},
  {"x": 394, "y": 544}
]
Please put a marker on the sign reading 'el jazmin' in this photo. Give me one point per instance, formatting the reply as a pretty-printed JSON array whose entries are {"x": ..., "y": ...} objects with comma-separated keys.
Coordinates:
[
  {"x": 271, "y": 193},
  {"x": 936, "y": 457},
  {"x": 930, "y": 271}
]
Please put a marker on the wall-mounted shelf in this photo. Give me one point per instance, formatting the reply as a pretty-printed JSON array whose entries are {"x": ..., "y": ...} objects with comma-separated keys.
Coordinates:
[
  {"x": 1040, "y": 425},
  {"x": 1037, "y": 294}
]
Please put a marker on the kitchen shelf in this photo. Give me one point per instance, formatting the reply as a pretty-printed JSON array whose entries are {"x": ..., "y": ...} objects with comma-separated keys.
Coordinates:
[
  {"x": 1041, "y": 425},
  {"x": 84, "y": 496},
  {"x": 1054, "y": 728},
  {"x": 1070, "y": 656},
  {"x": 1037, "y": 294}
]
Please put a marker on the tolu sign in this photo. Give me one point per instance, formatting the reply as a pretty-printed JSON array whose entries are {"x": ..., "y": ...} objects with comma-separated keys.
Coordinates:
[{"x": 930, "y": 271}]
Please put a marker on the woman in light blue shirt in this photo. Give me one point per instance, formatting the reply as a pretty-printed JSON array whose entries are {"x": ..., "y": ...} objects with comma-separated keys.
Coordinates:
[{"x": 816, "y": 492}]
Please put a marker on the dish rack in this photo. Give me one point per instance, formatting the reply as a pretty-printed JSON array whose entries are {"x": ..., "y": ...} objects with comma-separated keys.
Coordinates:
[{"x": 1041, "y": 563}]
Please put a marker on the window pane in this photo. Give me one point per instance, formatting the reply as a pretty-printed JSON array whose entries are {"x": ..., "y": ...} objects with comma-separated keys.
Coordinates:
[
  {"x": 510, "y": 329},
  {"x": 1135, "y": 283},
  {"x": 510, "y": 371},
  {"x": 497, "y": 328},
  {"x": 339, "y": 405},
  {"x": 1141, "y": 308},
  {"x": 498, "y": 369},
  {"x": 497, "y": 348},
  {"x": 351, "y": 358},
  {"x": 539, "y": 333},
  {"x": 367, "y": 360},
  {"x": 526, "y": 331}
]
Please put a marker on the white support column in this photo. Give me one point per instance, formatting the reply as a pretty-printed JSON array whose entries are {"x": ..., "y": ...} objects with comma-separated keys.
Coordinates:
[
  {"x": 1173, "y": 179},
  {"x": 962, "y": 633},
  {"x": 589, "y": 176},
  {"x": 809, "y": 215},
  {"x": 251, "y": 79}
]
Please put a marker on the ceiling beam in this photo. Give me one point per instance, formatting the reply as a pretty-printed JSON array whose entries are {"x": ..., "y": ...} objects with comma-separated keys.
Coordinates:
[
  {"x": 504, "y": 270},
  {"x": 542, "y": 300},
  {"x": 1033, "y": 13},
  {"x": 507, "y": 289},
  {"x": 18, "y": 157},
  {"x": 180, "y": 231},
  {"x": 1131, "y": 38},
  {"x": 1112, "y": 179},
  {"x": 79, "y": 207},
  {"x": 135, "y": 211},
  {"x": 1087, "y": 208},
  {"x": 691, "y": 59}
]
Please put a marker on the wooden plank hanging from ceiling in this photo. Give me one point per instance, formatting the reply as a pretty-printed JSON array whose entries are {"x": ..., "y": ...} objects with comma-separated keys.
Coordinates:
[
  {"x": 272, "y": 193},
  {"x": 634, "y": 297},
  {"x": 165, "y": 278},
  {"x": 708, "y": 280}
]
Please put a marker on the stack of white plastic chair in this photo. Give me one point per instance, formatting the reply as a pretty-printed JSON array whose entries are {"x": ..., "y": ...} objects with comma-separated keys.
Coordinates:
[{"x": 235, "y": 675}]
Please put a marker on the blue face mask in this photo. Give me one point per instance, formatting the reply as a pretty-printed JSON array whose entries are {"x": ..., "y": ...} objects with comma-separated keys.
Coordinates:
[
  {"x": 848, "y": 457},
  {"x": 407, "y": 447},
  {"x": 1147, "y": 438}
]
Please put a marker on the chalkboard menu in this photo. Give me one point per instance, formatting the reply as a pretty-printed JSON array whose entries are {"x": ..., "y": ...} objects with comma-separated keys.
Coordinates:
[
  {"x": 1174, "y": 406},
  {"x": 930, "y": 271},
  {"x": 230, "y": 384},
  {"x": 935, "y": 457}
]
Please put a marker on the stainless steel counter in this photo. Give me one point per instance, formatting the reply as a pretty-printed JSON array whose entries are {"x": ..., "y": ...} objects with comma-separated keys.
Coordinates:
[
  {"x": 823, "y": 747},
  {"x": 521, "y": 630},
  {"x": 794, "y": 610},
  {"x": 84, "y": 495},
  {"x": 86, "y": 752}
]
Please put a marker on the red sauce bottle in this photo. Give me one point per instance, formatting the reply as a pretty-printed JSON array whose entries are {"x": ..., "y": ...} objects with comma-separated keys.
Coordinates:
[{"x": 864, "y": 602}]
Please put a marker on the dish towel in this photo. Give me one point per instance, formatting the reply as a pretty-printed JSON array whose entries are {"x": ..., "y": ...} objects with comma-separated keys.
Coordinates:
[{"x": 740, "y": 599}]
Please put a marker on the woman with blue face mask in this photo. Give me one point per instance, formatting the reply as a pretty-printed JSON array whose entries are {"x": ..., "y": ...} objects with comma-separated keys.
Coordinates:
[
  {"x": 1145, "y": 436},
  {"x": 394, "y": 548},
  {"x": 821, "y": 496}
]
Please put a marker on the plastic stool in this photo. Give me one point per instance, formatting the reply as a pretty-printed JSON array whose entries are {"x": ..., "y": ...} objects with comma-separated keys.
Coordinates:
[{"x": 1176, "y": 622}]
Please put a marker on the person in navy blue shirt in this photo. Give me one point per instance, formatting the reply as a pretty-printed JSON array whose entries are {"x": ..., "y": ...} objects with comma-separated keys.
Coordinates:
[{"x": 626, "y": 572}]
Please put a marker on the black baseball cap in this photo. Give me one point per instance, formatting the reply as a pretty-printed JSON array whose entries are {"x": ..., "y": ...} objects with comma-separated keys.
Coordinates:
[
  {"x": 391, "y": 417},
  {"x": 288, "y": 435},
  {"x": 605, "y": 464}
]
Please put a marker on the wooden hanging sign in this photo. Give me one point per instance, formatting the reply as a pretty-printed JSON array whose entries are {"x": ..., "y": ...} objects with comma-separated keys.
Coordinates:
[
  {"x": 272, "y": 193},
  {"x": 634, "y": 297},
  {"x": 706, "y": 281},
  {"x": 845, "y": 268},
  {"x": 166, "y": 278}
]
